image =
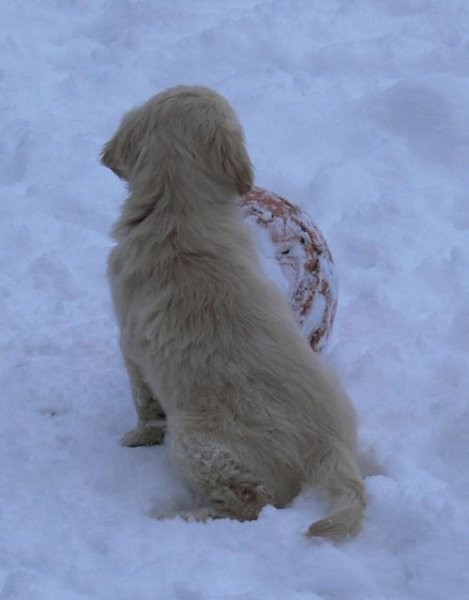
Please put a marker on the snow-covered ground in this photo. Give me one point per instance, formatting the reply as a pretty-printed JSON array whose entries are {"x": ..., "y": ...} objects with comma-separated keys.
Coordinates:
[{"x": 358, "y": 110}]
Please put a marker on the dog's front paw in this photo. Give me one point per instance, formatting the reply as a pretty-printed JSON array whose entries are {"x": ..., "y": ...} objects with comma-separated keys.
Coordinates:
[{"x": 143, "y": 436}]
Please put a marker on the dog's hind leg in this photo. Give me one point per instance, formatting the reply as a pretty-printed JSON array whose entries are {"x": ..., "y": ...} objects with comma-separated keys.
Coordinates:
[
  {"x": 226, "y": 487},
  {"x": 150, "y": 428}
]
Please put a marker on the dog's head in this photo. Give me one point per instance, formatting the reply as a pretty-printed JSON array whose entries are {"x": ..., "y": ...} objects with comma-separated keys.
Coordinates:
[{"x": 190, "y": 126}]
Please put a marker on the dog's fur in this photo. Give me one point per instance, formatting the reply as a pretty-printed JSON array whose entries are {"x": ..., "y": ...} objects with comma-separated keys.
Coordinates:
[{"x": 252, "y": 413}]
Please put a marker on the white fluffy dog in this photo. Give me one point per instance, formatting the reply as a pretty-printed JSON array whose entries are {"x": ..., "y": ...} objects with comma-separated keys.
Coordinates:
[{"x": 252, "y": 413}]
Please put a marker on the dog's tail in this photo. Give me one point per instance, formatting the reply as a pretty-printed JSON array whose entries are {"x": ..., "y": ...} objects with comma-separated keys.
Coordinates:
[{"x": 338, "y": 474}]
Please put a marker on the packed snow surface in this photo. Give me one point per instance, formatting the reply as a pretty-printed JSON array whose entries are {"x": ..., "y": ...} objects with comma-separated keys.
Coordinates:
[{"x": 357, "y": 110}]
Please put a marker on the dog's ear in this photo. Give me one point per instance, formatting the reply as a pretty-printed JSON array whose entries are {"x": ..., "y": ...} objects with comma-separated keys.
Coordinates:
[{"x": 228, "y": 157}]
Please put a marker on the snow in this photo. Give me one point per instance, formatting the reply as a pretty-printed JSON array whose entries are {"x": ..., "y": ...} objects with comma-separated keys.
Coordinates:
[{"x": 359, "y": 111}]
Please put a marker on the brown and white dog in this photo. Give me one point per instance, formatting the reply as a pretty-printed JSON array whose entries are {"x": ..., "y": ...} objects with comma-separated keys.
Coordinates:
[{"x": 252, "y": 413}]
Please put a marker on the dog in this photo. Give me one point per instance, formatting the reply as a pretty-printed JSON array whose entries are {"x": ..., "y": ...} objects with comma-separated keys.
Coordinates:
[{"x": 209, "y": 344}]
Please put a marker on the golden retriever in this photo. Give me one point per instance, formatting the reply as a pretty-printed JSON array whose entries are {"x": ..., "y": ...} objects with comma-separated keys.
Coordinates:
[{"x": 252, "y": 413}]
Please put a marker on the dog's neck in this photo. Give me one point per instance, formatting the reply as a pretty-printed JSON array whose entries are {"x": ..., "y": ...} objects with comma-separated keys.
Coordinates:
[
  {"x": 190, "y": 209},
  {"x": 170, "y": 229}
]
